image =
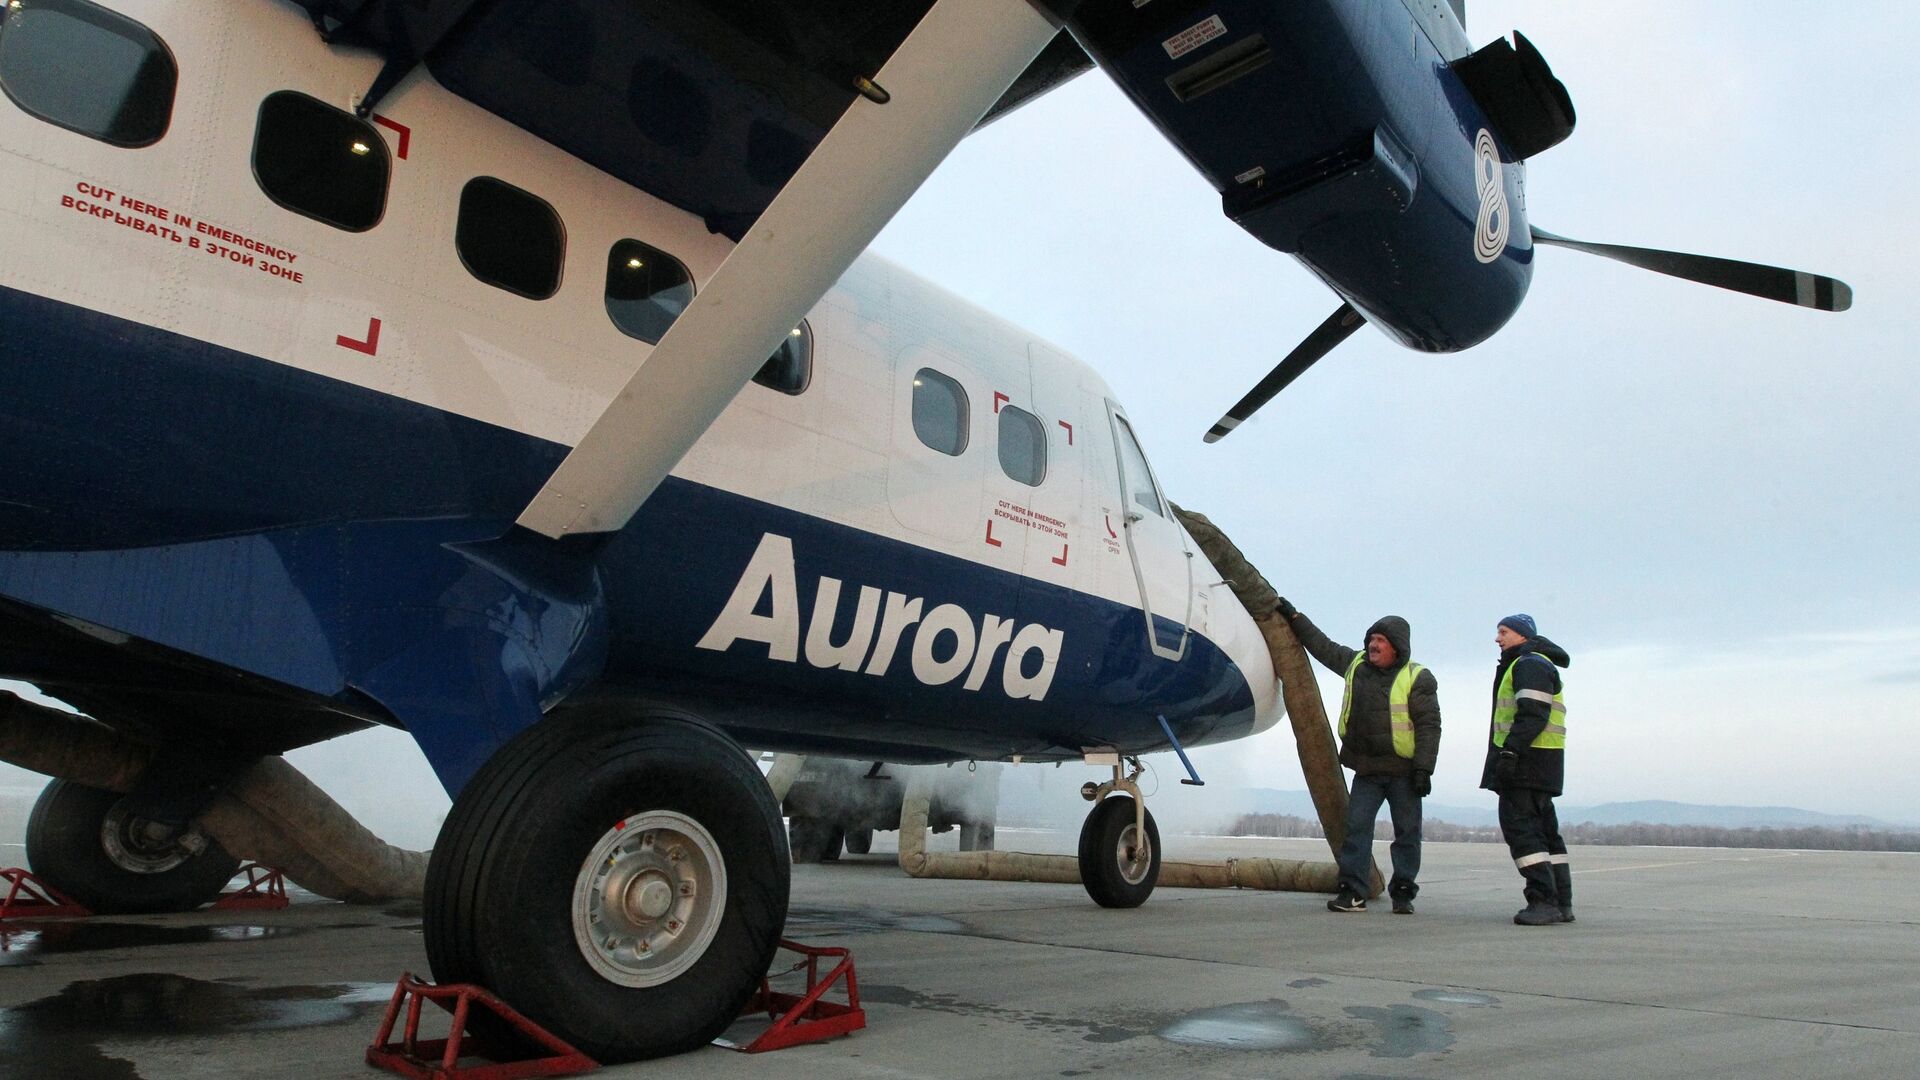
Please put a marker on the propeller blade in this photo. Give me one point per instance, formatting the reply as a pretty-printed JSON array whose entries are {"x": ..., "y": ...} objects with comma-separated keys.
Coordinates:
[
  {"x": 1339, "y": 326},
  {"x": 1767, "y": 282}
]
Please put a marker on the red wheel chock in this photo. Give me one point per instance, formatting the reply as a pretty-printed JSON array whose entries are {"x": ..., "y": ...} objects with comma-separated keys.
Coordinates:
[
  {"x": 439, "y": 1059},
  {"x": 265, "y": 890},
  {"x": 28, "y": 897},
  {"x": 805, "y": 1018}
]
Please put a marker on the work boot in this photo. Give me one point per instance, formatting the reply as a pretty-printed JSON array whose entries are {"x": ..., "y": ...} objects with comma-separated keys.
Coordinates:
[
  {"x": 1403, "y": 905},
  {"x": 1348, "y": 901},
  {"x": 1563, "y": 886},
  {"x": 1538, "y": 913}
]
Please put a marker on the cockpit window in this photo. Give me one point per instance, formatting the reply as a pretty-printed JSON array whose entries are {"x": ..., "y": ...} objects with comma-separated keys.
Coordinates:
[
  {"x": 509, "y": 238},
  {"x": 646, "y": 290},
  {"x": 79, "y": 66},
  {"x": 321, "y": 162},
  {"x": 790, "y": 368},
  {"x": 1023, "y": 446},
  {"x": 1139, "y": 479},
  {"x": 939, "y": 412}
]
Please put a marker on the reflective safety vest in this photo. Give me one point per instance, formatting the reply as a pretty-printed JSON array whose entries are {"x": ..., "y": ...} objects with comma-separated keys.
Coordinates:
[
  {"x": 1397, "y": 712},
  {"x": 1506, "y": 705}
]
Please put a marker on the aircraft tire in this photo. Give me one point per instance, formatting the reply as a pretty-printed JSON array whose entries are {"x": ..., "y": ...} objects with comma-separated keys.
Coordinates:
[
  {"x": 84, "y": 843},
  {"x": 520, "y": 888},
  {"x": 860, "y": 841},
  {"x": 1110, "y": 866}
]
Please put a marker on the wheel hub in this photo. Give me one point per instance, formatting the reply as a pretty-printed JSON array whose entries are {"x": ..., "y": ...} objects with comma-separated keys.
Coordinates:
[
  {"x": 1134, "y": 855},
  {"x": 143, "y": 846},
  {"x": 649, "y": 898}
]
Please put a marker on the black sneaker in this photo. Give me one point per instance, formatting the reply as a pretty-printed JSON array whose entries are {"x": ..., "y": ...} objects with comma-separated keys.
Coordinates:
[
  {"x": 1538, "y": 913},
  {"x": 1347, "y": 901},
  {"x": 1566, "y": 912},
  {"x": 1403, "y": 905}
]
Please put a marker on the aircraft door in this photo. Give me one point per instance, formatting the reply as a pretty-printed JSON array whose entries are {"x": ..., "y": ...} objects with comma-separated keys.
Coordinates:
[{"x": 1162, "y": 565}]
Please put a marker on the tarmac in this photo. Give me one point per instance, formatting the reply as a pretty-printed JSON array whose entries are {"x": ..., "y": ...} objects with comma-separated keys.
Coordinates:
[{"x": 1684, "y": 962}]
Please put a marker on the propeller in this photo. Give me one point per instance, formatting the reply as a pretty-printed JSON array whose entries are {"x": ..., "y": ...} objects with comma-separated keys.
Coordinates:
[
  {"x": 1767, "y": 282},
  {"x": 1339, "y": 326}
]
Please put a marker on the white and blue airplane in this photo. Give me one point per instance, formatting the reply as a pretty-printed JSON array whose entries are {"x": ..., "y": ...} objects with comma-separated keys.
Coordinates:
[{"x": 509, "y": 372}]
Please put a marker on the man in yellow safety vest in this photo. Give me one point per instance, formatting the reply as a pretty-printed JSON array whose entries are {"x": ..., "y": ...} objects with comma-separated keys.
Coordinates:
[
  {"x": 1526, "y": 752},
  {"x": 1390, "y": 738}
]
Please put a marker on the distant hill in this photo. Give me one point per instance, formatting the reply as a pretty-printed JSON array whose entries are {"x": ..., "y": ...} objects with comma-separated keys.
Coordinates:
[{"x": 1650, "y": 812}]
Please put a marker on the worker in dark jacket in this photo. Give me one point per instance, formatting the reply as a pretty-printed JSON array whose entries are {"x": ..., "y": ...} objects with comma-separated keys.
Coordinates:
[
  {"x": 1526, "y": 752},
  {"x": 1390, "y": 738}
]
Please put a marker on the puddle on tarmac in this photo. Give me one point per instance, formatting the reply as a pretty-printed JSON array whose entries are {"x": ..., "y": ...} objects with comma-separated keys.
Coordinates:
[
  {"x": 44, "y": 939},
  {"x": 1302, "y": 984},
  {"x": 1405, "y": 1030},
  {"x": 866, "y": 921},
  {"x": 1255, "y": 1025},
  {"x": 61, "y": 1035},
  {"x": 1457, "y": 997}
]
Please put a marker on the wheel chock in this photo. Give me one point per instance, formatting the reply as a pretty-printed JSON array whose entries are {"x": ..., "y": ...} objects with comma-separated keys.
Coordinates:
[
  {"x": 29, "y": 897},
  {"x": 265, "y": 890},
  {"x": 439, "y": 1059},
  {"x": 804, "y": 1018}
]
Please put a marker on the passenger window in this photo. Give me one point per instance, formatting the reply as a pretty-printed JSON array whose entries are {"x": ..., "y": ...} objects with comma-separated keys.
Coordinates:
[
  {"x": 79, "y": 66},
  {"x": 1023, "y": 446},
  {"x": 321, "y": 162},
  {"x": 790, "y": 368},
  {"x": 1138, "y": 479},
  {"x": 939, "y": 412},
  {"x": 646, "y": 290},
  {"x": 509, "y": 238}
]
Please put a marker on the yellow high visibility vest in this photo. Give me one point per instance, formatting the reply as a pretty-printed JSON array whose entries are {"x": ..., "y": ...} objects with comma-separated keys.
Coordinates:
[
  {"x": 1506, "y": 706},
  {"x": 1397, "y": 712}
]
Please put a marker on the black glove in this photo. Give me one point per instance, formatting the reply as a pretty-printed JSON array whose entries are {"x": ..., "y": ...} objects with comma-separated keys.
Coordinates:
[
  {"x": 1285, "y": 608},
  {"x": 1504, "y": 766},
  {"x": 1422, "y": 783}
]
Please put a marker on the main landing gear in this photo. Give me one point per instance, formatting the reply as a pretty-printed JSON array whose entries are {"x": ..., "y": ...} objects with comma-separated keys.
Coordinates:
[
  {"x": 1119, "y": 844},
  {"x": 90, "y": 844},
  {"x": 621, "y": 881}
]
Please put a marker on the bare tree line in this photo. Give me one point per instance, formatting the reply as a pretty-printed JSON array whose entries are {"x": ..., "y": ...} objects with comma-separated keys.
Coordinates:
[{"x": 1635, "y": 834}]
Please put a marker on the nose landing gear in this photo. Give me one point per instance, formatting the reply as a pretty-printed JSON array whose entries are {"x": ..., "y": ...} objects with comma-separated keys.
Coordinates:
[{"x": 1119, "y": 844}]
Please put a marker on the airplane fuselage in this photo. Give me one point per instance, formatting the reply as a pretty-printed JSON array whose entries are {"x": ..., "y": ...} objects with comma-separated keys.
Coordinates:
[{"x": 264, "y": 469}]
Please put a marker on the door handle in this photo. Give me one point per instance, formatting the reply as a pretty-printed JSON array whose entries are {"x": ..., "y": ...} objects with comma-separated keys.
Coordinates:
[{"x": 1133, "y": 516}]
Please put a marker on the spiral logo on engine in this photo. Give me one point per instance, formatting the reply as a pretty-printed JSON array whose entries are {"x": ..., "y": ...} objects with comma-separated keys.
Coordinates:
[{"x": 1490, "y": 231}]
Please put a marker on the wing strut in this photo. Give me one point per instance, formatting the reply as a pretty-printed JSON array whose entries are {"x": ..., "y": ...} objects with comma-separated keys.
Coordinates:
[{"x": 957, "y": 62}]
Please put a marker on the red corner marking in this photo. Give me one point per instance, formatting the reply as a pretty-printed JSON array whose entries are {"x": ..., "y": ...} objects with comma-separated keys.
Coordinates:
[
  {"x": 1108, "y": 518},
  {"x": 1062, "y": 560},
  {"x": 1069, "y": 428},
  {"x": 369, "y": 346},
  {"x": 990, "y": 538},
  {"x": 1000, "y": 399},
  {"x": 403, "y": 131}
]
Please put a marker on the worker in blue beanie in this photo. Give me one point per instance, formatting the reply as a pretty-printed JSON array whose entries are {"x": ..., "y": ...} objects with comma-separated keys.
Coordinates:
[{"x": 1526, "y": 754}]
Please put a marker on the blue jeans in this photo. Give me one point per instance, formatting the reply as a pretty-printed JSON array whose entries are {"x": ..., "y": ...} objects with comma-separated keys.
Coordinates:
[{"x": 1356, "y": 855}]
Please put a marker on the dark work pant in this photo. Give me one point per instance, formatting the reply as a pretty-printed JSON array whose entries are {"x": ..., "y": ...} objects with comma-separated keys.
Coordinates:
[
  {"x": 1356, "y": 855},
  {"x": 1532, "y": 829}
]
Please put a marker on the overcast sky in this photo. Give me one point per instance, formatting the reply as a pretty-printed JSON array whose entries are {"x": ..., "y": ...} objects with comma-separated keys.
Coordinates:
[{"x": 1708, "y": 499}]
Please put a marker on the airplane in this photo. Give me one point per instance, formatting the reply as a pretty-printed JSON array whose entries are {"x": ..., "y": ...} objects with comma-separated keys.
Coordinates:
[{"x": 511, "y": 374}]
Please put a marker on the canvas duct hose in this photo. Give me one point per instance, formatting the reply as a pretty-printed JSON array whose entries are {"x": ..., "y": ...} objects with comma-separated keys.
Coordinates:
[
  {"x": 1295, "y": 875},
  {"x": 272, "y": 814},
  {"x": 1312, "y": 732}
]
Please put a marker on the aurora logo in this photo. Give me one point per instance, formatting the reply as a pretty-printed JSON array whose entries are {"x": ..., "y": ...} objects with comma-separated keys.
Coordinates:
[{"x": 946, "y": 643}]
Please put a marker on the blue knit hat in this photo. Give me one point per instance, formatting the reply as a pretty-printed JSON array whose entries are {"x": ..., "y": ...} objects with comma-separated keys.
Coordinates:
[{"x": 1521, "y": 624}]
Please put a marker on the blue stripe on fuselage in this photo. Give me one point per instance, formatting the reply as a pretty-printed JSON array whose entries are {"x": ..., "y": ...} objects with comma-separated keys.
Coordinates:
[{"x": 285, "y": 524}]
